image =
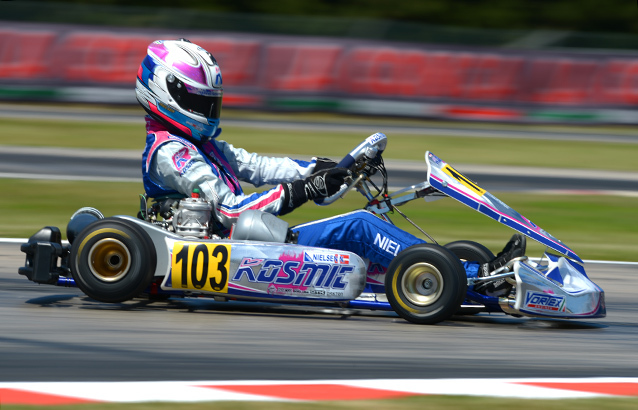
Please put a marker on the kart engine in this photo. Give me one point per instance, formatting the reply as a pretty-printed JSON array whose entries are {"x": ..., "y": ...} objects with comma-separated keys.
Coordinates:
[
  {"x": 191, "y": 217},
  {"x": 188, "y": 217}
]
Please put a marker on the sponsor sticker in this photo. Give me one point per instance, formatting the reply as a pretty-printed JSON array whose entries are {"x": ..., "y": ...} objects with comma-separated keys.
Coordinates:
[
  {"x": 181, "y": 158},
  {"x": 375, "y": 137},
  {"x": 434, "y": 159},
  {"x": 542, "y": 302},
  {"x": 166, "y": 107},
  {"x": 386, "y": 244},
  {"x": 326, "y": 257},
  {"x": 205, "y": 91},
  {"x": 295, "y": 274}
]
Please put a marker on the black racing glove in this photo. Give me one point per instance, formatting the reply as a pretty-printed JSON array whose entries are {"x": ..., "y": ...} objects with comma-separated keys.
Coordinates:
[
  {"x": 324, "y": 163},
  {"x": 321, "y": 184}
]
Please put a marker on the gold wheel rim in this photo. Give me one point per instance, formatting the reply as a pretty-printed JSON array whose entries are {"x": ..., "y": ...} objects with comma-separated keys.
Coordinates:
[
  {"x": 422, "y": 284},
  {"x": 109, "y": 260}
]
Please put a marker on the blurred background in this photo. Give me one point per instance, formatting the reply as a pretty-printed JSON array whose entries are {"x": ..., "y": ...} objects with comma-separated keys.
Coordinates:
[{"x": 493, "y": 60}]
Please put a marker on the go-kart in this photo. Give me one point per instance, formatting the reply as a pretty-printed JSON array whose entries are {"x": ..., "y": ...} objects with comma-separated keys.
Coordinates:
[{"x": 171, "y": 250}]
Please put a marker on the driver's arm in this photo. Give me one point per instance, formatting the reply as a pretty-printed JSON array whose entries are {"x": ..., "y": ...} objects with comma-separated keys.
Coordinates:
[
  {"x": 260, "y": 170},
  {"x": 228, "y": 204},
  {"x": 196, "y": 173}
]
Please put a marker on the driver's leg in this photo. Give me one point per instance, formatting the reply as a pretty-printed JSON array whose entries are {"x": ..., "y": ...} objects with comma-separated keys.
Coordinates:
[
  {"x": 359, "y": 232},
  {"x": 371, "y": 238}
]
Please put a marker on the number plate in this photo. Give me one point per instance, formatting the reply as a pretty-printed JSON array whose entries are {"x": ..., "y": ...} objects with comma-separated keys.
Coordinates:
[{"x": 200, "y": 266}]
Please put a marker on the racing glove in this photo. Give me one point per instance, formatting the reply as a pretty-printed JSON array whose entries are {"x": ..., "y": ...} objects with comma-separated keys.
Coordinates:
[
  {"x": 324, "y": 163},
  {"x": 321, "y": 184}
]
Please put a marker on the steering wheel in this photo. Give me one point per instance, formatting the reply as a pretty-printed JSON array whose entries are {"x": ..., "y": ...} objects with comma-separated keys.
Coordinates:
[{"x": 369, "y": 149}]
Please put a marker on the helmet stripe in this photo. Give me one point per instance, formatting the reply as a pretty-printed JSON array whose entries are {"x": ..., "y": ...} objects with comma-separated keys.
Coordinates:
[{"x": 171, "y": 121}]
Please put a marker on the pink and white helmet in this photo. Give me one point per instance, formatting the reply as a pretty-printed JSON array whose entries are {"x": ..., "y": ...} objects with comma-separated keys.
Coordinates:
[{"x": 180, "y": 84}]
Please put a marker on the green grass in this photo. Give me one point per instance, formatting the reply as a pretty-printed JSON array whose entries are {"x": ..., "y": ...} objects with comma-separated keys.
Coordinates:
[
  {"x": 410, "y": 403},
  {"x": 71, "y": 134},
  {"x": 595, "y": 227},
  {"x": 459, "y": 150}
]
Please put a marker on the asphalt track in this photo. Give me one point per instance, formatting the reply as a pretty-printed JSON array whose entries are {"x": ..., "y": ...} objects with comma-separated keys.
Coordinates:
[{"x": 51, "y": 333}]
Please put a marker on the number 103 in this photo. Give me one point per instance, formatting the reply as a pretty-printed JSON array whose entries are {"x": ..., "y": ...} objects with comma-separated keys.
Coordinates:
[{"x": 201, "y": 266}]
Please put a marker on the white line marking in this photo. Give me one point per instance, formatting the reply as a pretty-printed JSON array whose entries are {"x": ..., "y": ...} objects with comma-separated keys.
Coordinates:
[
  {"x": 68, "y": 177},
  {"x": 197, "y": 391}
]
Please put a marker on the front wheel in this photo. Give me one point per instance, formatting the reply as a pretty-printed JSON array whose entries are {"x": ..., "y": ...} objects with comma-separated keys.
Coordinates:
[
  {"x": 425, "y": 284},
  {"x": 112, "y": 260}
]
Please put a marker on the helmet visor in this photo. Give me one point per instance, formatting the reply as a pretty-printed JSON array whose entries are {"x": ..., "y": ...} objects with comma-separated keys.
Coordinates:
[{"x": 204, "y": 102}]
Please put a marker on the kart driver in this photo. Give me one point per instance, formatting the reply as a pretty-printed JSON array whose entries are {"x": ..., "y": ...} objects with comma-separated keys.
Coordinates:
[{"x": 179, "y": 84}]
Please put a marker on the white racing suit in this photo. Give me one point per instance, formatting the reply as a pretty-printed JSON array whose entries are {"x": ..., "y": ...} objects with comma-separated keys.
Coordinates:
[{"x": 173, "y": 165}]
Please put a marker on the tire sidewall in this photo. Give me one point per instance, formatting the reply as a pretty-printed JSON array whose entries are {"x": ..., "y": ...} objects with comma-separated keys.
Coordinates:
[
  {"x": 142, "y": 260},
  {"x": 454, "y": 283}
]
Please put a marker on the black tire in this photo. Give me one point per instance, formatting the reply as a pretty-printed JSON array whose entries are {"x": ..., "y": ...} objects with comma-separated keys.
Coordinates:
[
  {"x": 472, "y": 252},
  {"x": 425, "y": 284},
  {"x": 112, "y": 260}
]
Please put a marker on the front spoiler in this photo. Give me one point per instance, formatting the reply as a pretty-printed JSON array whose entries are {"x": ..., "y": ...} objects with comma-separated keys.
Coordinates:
[{"x": 556, "y": 287}]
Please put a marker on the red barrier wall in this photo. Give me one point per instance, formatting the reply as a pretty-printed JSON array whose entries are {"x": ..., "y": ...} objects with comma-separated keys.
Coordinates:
[{"x": 263, "y": 65}]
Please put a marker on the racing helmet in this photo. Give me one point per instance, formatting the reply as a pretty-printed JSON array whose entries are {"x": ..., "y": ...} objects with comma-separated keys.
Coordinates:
[{"x": 180, "y": 84}]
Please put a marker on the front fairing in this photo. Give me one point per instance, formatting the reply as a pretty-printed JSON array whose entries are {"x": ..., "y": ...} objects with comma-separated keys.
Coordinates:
[
  {"x": 455, "y": 185},
  {"x": 554, "y": 287}
]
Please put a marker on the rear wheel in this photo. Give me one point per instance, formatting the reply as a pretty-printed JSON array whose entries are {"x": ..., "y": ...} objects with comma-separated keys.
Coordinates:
[
  {"x": 113, "y": 260},
  {"x": 471, "y": 252},
  {"x": 425, "y": 284}
]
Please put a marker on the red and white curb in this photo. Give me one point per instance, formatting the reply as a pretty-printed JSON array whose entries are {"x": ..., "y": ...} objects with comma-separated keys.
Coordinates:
[{"x": 62, "y": 393}]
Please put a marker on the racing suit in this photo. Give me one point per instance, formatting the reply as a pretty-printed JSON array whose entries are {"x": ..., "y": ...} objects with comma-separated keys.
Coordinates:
[{"x": 174, "y": 165}]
